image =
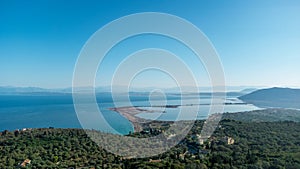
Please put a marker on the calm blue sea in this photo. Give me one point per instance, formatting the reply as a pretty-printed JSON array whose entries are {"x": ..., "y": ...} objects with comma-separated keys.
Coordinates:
[{"x": 38, "y": 111}]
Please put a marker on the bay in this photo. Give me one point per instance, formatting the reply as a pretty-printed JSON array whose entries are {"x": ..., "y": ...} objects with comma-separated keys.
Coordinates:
[{"x": 43, "y": 111}]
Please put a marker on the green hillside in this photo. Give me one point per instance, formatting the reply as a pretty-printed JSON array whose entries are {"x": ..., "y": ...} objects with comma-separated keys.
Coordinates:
[
  {"x": 274, "y": 97},
  {"x": 265, "y": 145}
]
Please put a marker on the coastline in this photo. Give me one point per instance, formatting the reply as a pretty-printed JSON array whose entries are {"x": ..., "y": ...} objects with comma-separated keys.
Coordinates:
[{"x": 130, "y": 114}]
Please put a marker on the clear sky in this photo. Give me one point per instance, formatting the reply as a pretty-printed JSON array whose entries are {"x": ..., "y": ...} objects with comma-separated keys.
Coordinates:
[{"x": 258, "y": 41}]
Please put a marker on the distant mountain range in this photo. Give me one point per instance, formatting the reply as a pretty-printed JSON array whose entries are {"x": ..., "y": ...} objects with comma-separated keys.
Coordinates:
[
  {"x": 7, "y": 90},
  {"x": 265, "y": 98},
  {"x": 274, "y": 97}
]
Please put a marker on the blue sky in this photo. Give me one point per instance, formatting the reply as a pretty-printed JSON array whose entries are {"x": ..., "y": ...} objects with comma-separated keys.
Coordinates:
[{"x": 258, "y": 41}]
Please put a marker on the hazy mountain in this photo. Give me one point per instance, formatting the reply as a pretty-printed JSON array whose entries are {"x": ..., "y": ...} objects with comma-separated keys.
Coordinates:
[
  {"x": 248, "y": 90},
  {"x": 274, "y": 97},
  {"x": 10, "y": 89},
  {"x": 231, "y": 90}
]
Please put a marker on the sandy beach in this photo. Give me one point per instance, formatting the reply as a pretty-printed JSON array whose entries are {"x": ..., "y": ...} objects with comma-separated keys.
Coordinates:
[{"x": 130, "y": 114}]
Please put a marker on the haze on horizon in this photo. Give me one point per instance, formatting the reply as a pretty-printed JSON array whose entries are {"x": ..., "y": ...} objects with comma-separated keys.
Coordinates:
[{"x": 257, "y": 41}]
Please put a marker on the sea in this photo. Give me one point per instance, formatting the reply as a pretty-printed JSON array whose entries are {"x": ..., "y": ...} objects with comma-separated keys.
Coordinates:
[{"x": 57, "y": 110}]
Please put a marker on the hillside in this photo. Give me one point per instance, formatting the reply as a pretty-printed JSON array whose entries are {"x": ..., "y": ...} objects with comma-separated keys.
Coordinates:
[
  {"x": 255, "y": 146},
  {"x": 265, "y": 115},
  {"x": 274, "y": 97}
]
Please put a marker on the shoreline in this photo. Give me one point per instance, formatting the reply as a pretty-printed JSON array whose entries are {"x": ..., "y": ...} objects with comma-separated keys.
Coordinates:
[{"x": 130, "y": 114}]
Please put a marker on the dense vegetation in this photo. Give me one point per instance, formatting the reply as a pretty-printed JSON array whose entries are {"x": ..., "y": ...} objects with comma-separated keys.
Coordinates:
[
  {"x": 256, "y": 145},
  {"x": 265, "y": 115}
]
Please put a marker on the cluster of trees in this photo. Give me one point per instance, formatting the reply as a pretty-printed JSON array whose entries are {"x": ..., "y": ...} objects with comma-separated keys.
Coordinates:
[
  {"x": 264, "y": 115},
  {"x": 257, "y": 145}
]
